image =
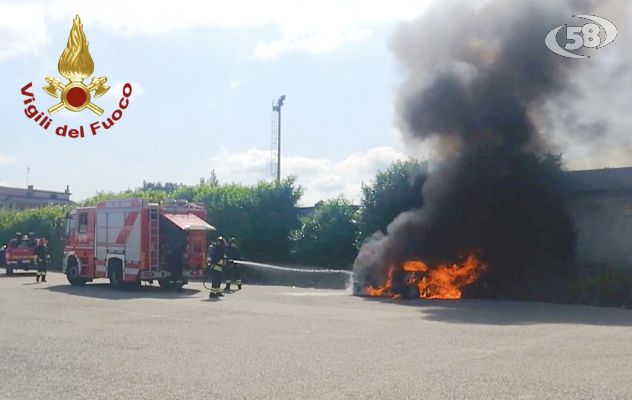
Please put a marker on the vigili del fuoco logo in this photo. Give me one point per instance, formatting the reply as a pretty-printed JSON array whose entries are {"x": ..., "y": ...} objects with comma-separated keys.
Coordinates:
[{"x": 76, "y": 65}]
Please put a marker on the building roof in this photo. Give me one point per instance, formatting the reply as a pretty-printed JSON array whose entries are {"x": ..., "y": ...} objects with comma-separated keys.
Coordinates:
[
  {"x": 36, "y": 200},
  {"x": 599, "y": 180},
  {"x": 34, "y": 189}
]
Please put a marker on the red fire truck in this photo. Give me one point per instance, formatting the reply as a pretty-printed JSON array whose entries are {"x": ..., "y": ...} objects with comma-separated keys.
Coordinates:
[
  {"x": 19, "y": 254},
  {"x": 133, "y": 240}
]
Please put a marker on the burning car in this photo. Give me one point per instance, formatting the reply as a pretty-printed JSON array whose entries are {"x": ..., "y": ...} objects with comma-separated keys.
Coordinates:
[{"x": 415, "y": 279}]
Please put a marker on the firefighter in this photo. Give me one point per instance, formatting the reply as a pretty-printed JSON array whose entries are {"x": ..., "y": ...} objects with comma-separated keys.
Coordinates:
[
  {"x": 42, "y": 258},
  {"x": 24, "y": 242},
  {"x": 217, "y": 254},
  {"x": 233, "y": 270},
  {"x": 178, "y": 257}
]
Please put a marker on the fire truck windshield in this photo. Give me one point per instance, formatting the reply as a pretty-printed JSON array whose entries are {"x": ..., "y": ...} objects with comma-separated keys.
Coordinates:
[{"x": 70, "y": 225}]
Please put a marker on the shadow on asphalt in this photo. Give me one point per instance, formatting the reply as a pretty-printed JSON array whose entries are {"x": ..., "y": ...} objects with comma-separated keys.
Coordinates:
[
  {"x": 211, "y": 300},
  {"x": 506, "y": 313},
  {"x": 18, "y": 274},
  {"x": 104, "y": 291}
]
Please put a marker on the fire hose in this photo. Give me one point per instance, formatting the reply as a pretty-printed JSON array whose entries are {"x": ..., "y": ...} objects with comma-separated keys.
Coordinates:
[{"x": 261, "y": 265}]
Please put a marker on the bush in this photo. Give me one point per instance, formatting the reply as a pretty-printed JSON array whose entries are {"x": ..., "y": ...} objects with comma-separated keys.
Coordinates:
[
  {"x": 261, "y": 217},
  {"x": 327, "y": 236}
]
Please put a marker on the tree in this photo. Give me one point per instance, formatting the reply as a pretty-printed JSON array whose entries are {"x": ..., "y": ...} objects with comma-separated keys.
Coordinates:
[
  {"x": 327, "y": 236},
  {"x": 168, "y": 187},
  {"x": 212, "y": 180},
  {"x": 392, "y": 192}
]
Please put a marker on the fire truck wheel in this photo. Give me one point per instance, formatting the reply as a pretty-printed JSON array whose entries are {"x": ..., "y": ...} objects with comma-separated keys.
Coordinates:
[
  {"x": 135, "y": 285},
  {"x": 165, "y": 284},
  {"x": 72, "y": 274},
  {"x": 116, "y": 278},
  {"x": 9, "y": 270}
]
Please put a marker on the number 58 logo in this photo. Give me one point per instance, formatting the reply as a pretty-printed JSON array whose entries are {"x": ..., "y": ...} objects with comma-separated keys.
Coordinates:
[{"x": 582, "y": 36}]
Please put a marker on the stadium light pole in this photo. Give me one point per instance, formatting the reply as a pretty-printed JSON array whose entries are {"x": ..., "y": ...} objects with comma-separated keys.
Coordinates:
[{"x": 277, "y": 108}]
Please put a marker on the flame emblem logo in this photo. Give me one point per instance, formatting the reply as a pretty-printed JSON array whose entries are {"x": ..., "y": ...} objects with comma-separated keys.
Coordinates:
[{"x": 76, "y": 65}]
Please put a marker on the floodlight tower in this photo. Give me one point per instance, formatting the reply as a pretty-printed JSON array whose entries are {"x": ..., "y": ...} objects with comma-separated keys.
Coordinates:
[{"x": 277, "y": 108}]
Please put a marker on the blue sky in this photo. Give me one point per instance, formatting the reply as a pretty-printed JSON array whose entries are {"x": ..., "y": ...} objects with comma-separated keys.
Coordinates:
[
  {"x": 202, "y": 96},
  {"x": 204, "y": 76}
]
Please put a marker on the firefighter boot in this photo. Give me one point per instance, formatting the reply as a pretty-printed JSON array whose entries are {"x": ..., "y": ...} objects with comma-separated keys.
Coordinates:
[
  {"x": 227, "y": 288},
  {"x": 37, "y": 277},
  {"x": 239, "y": 286},
  {"x": 43, "y": 277}
]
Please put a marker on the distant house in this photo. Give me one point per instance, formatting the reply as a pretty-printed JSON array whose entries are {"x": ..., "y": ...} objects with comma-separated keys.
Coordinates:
[
  {"x": 305, "y": 211},
  {"x": 601, "y": 210},
  {"x": 12, "y": 198}
]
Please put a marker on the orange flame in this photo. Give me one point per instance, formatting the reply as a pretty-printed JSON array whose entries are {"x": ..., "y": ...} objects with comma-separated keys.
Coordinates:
[
  {"x": 443, "y": 282},
  {"x": 383, "y": 290},
  {"x": 75, "y": 63}
]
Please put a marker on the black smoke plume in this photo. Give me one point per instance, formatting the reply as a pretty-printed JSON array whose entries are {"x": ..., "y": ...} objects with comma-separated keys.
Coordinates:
[{"x": 476, "y": 79}]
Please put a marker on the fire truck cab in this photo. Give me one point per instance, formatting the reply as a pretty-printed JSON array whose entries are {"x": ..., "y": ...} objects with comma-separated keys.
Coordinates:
[{"x": 132, "y": 240}]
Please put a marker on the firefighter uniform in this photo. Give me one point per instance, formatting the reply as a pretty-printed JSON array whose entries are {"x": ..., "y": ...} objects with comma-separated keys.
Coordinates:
[
  {"x": 179, "y": 261},
  {"x": 217, "y": 263},
  {"x": 42, "y": 258},
  {"x": 233, "y": 270}
]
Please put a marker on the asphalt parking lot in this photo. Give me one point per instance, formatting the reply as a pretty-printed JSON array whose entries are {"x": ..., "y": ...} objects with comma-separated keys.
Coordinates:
[{"x": 64, "y": 342}]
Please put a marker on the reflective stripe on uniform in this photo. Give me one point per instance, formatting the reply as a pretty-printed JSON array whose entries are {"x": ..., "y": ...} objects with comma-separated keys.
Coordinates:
[{"x": 217, "y": 268}]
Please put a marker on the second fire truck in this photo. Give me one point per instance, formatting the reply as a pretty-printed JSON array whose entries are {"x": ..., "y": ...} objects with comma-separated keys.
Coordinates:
[
  {"x": 20, "y": 253},
  {"x": 132, "y": 240}
]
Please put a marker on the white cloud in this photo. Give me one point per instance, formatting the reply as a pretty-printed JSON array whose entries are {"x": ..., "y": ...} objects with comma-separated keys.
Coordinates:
[
  {"x": 322, "y": 178},
  {"x": 314, "y": 44},
  {"x": 304, "y": 25},
  {"x": 116, "y": 90},
  {"x": 235, "y": 84},
  {"x": 6, "y": 159},
  {"x": 22, "y": 29}
]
